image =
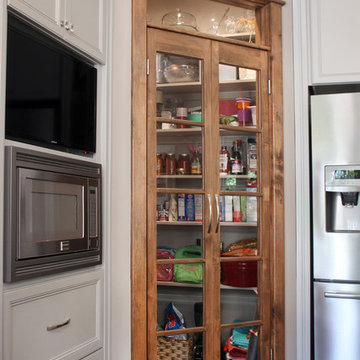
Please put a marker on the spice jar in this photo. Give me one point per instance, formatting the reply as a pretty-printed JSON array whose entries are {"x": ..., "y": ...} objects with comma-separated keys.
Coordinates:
[
  {"x": 159, "y": 164},
  {"x": 184, "y": 163},
  {"x": 170, "y": 164}
]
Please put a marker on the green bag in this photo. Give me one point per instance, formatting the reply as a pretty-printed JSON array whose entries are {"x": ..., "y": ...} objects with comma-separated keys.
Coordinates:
[{"x": 189, "y": 273}]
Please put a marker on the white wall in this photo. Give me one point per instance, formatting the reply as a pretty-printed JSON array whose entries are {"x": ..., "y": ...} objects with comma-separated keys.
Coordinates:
[{"x": 120, "y": 137}]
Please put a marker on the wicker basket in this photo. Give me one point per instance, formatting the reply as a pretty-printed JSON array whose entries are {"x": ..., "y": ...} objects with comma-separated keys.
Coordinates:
[{"x": 174, "y": 349}]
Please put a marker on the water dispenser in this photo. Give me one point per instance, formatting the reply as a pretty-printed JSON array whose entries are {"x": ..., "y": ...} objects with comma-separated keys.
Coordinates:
[{"x": 342, "y": 186}]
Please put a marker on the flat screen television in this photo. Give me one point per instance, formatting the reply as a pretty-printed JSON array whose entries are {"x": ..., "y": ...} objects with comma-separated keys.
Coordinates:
[{"x": 50, "y": 92}]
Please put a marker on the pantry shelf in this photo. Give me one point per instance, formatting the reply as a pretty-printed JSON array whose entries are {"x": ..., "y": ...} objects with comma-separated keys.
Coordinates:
[
  {"x": 245, "y": 224},
  {"x": 176, "y": 130},
  {"x": 235, "y": 85},
  {"x": 229, "y": 176},
  {"x": 181, "y": 223},
  {"x": 179, "y": 176},
  {"x": 190, "y": 285},
  {"x": 185, "y": 86},
  {"x": 227, "y": 129}
]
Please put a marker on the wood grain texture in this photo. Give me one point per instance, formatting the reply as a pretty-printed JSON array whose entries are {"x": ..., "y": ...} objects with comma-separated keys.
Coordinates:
[
  {"x": 270, "y": 25},
  {"x": 151, "y": 200},
  {"x": 207, "y": 36},
  {"x": 250, "y": 4},
  {"x": 258, "y": 60},
  {"x": 214, "y": 180},
  {"x": 265, "y": 56},
  {"x": 181, "y": 331},
  {"x": 247, "y": 4},
  {"x": 183, "y": 45},
  {"x": 138, "y": 182},
  {"x": 241, "y": 324},
  {"x": 278, "y": 249}
]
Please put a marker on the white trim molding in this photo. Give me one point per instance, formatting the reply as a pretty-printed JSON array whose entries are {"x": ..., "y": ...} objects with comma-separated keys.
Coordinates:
[{"x": 302, "y": 188}]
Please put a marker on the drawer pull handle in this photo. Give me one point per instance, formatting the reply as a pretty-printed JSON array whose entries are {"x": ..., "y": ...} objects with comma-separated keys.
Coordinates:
[
  {"x": 57, "y": 326},
  {"x": 338, "y": 295}
]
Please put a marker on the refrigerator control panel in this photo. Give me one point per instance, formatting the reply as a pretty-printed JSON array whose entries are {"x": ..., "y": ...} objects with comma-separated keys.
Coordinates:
[{"x": 342, "y": 178}]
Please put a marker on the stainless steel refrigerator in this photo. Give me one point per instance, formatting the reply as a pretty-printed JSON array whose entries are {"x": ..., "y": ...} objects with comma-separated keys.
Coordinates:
[{"x": 335, "y": 188}]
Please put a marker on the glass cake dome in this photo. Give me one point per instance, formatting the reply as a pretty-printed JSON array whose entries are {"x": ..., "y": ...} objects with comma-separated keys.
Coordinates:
[{"x": 181, "y": 19}]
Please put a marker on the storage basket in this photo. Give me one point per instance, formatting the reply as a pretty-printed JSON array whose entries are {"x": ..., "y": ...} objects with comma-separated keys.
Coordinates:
[{"x": 174, "y": 349}]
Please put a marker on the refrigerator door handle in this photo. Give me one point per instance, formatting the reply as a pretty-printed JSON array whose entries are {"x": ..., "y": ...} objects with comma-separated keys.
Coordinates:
[{"x": 340, "y": 295}]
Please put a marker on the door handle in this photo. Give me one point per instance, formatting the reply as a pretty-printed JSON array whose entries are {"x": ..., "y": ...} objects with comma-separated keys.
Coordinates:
[
  {"x": 210, "y": 213},
  {"x": 339, "y": 295},
  {"x": 217, "y": 213},
  {"x": 57, "y": 326}
]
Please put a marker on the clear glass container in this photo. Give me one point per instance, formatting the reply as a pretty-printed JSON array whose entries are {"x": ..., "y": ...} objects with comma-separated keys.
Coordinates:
[{"x": 180, "y": 18}]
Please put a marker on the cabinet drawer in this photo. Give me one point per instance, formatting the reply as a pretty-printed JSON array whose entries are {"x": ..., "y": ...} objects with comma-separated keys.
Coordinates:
[
  {"x": 97, "y": 355},
  {"x": 60, "y": 320}
]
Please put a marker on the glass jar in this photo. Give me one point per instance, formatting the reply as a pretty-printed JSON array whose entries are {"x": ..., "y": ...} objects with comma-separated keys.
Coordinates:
[
  {"x": 184, "y": 163},
  {"x": 159, "y": 164},
  {"x": 196, "y": 164},
  {"x": 170, "y": 164}
]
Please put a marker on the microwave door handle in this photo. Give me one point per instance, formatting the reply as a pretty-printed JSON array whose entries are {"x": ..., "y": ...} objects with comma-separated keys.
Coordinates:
[{"x": 340, "y": 295}]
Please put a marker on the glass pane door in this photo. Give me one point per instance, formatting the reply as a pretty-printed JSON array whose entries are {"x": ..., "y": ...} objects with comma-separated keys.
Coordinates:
[
  {"x": 239, "y": 200},
  {"x": 178, "y": 202}
]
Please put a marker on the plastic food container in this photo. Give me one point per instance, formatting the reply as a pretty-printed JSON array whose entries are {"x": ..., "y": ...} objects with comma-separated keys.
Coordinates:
[
  {"x": 195, "y": 117},
  {"x": 239, "y": 273},
  {"x": 227, "y": 107},
  {"x": 243, "y": 110}
]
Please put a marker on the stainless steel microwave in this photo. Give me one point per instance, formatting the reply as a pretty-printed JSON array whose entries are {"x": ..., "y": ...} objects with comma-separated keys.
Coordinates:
[{"x": 52, "y": 214}]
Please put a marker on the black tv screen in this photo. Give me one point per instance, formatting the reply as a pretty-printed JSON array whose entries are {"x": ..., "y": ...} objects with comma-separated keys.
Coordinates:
[{"x": 50, "y": 92}]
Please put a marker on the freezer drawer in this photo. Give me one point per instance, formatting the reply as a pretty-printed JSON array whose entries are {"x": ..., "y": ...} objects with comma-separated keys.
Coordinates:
[{"x": 336, "y": 321}]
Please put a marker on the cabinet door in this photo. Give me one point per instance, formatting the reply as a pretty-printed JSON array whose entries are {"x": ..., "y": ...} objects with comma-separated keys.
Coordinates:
[
  {"x": 180, "y": 205},
  {"x": 242, "y": 190},
  {"x": 335, "y": 56},
  {"x": 196, "y": 203},
  {"x": 85, "y": 26},
  {"x": 43, "y": 12}
]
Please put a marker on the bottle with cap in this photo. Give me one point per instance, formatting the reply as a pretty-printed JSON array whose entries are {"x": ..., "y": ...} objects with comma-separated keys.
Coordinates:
[
  {"x": 224, "y": 160},
  {"x": 236, "y": 165},
  {"x": 181, "y": 114}
]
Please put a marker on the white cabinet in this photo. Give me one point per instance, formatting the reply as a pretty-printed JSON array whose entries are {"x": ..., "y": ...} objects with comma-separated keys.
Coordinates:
[
  {"x": 44, "y": 12},
  {"x": 97, "y": 355},
  {"x": 334, "y": 37},
  {"x": 85, "y": 19},
  {"x": 80, "y": 23},
  {"x": 60, "y": 319}
]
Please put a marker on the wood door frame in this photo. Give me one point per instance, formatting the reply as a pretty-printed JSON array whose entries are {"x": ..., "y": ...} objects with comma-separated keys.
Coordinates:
[
  {"x": 181, "y": 45},
  {"x": 268, "y": 34},
  {"x": 256, "y": 59}
]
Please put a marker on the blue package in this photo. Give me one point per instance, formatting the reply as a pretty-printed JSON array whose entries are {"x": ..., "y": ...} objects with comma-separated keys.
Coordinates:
[
  {"x": 222, "y": 208},
  {"x": 190, "y": 207}
]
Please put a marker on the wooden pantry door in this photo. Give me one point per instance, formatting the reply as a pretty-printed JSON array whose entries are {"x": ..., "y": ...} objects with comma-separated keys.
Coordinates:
[
  {"x": 241, "y": 293},
  {"x": 180, "y": 205}
]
